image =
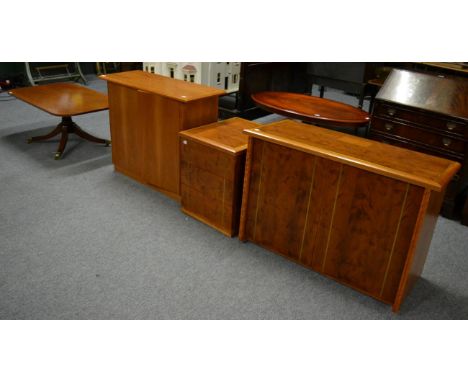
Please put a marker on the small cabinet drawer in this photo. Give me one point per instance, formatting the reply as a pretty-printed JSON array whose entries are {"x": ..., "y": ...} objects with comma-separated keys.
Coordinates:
[
  {"x": 420, "y": 135},
  {"x": 427, "y": 120}
]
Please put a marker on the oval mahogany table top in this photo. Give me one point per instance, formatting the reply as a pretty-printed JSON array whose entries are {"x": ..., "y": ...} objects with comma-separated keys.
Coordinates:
[{"x": 323, "y": 112}]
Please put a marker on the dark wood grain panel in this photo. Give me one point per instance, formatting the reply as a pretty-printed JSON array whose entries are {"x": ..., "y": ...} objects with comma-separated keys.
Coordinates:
[
  {"x": 401, "y": 245},
  {"x": 207, "y": 158},
  {"x": 360, "y": 239},
  {"x": 217, "y": 187},
  {"x": 364, "y": 229},
  {"x": 212, "y": 175},
  {"x": 280, "y": 215},
  {"x": 202, "y": 207},
  {"x": 321, "y": 199}
]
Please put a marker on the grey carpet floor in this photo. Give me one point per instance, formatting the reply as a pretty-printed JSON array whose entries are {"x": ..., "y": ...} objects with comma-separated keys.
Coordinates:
[{"x": 79, "y": 241}]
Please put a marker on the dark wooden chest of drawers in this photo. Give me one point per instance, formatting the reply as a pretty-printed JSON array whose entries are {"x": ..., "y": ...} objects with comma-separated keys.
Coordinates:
[{"x": 426, "y": 113}]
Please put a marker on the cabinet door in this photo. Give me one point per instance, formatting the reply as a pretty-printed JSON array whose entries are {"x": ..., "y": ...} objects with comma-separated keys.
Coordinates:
[{"x": 127, "y": 117}]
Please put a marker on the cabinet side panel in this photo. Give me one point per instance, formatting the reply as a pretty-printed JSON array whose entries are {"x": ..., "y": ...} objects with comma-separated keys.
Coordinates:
[
  {"x": 198, "y": 113},
  {"x": 367, "y": 217},
  {"x": 282, "y": 200},
  {"x": 252, "y": 182},
  {"x": 420, "y": 243},
  {"x": 236, "y": 202}
]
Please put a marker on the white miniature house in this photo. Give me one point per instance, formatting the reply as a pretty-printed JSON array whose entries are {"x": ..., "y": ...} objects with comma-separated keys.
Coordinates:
[{"x": 221, "y": 75}]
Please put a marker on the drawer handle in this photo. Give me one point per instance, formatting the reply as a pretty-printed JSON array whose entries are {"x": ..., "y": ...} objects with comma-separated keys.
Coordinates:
[
  {"x": 446, "y": 142},
  {"x": 388, "y": 126},
  {"x": 391, "y": 112},
  {"x": 451, "y": 126}
]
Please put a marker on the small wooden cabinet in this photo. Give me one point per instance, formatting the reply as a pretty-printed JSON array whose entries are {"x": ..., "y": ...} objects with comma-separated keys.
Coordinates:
[
  {"x": 212, "y": 172},
  {"x": 146, "y": 113},
  {"x": 426, "y": 113},
  {"x": 358, "y": 211}
]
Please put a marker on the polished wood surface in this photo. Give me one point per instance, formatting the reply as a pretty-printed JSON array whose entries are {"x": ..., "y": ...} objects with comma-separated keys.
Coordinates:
[
  {"x": 62, "y": 99},
  {"x": 225, "y": 135},
  {"x": 312, "y": 109},
  {"x": 212, "y": 169},
  {"x": 145, "y": 126},
  {"x": 443, "y": 95},
  {"x": 413, "y": 167},
  {"x": 426, "y": 113},
  {"x": 178, "y": 90},
  {"x": 368, "y": 230}
]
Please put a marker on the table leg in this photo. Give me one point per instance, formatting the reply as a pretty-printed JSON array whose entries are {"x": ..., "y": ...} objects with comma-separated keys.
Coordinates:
[
  {"x": 53, "y": 133},
  {"x": 66, "y": 127}
]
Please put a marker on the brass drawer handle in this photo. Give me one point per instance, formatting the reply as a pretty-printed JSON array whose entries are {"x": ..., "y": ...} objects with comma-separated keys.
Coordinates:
[
  {"x": 391, "y": 112},
  {"x": 446, "y": 142},
  {"x": 451, "y": 126},
  {"x": 388, "y": 126}
]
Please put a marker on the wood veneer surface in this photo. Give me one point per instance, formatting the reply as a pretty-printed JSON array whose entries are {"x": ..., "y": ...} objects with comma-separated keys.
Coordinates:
[
  {"x": 62, "y": 99},
  {"x": 168, "y": 87},
  {"x": 224, "y": 135},
  {"x": 413, "y": 167},
  {"x": 313, "y": 109}
]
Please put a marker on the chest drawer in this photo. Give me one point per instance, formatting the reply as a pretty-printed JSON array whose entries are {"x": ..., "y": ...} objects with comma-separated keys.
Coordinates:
[
  {"x": 427, "y": 120},
  {"x": 396, "y": 141},
  {"x": 438, "y": 141}
]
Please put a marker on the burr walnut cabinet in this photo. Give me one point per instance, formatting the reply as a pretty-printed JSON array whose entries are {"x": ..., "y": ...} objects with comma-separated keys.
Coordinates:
[
  {"x": 212, "y": 160},
  {"x": 353, "y": 209},
  {"x": 146, "y": 113}
]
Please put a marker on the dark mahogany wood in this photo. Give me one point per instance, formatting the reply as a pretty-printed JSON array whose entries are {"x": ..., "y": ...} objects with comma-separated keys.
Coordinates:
[
  {"x": 212, "y": 171},
  {"x": 344, "y": 206},
  {"x": 64, "y": 100},
  {"x": 427, "y": 113},
  {"x": 308, "y": 108}
]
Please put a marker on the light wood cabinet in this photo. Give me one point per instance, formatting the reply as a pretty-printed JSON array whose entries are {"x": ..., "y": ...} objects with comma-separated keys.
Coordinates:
[{"x": 146, "y": 113}]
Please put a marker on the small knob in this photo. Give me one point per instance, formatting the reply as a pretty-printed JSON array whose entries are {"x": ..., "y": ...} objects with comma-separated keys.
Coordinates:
[
  {"x": 446, "y": 142},
  {"x": 184, "y": 142},
  {"x": 388, "y": 126},
  {"x": 450, "y": 126},
  {"x": 391, "y": 112}
]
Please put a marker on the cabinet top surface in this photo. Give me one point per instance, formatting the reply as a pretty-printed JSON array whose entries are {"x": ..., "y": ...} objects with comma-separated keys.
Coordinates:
[
  {"x": 62, "y": 99},
  {"x": 225, "y": 135},
  {"x": 168, "y": 87},
  {"x": 445, "y": 95},
  {"x": 395, "y": 162}
]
